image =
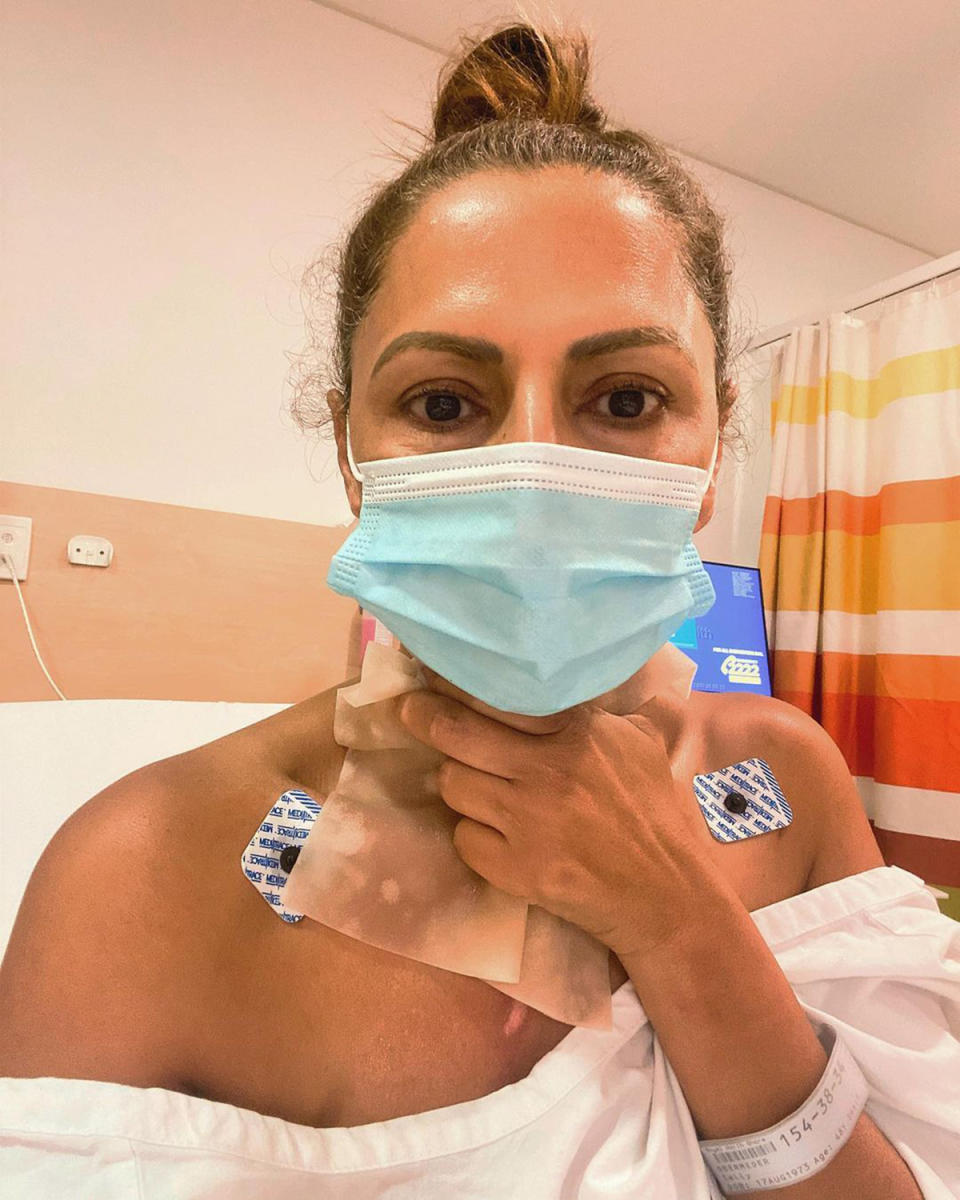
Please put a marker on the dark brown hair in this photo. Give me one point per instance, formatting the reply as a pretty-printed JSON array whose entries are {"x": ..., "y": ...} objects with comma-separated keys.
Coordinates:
[{"x": 516, "y": 99}]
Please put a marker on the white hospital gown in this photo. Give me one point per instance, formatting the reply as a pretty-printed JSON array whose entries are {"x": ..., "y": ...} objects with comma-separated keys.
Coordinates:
[{"x": 600, "y": 1116}]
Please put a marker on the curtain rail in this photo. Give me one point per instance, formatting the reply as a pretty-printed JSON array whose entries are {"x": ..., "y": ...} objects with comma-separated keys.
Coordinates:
[{"x": 935, "y": 269}]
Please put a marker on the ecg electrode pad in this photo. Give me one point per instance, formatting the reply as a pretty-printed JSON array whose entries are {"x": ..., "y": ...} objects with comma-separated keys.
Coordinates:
[
  {"x": 275, "y": 847},
  {"x": 742, "y": 801}
]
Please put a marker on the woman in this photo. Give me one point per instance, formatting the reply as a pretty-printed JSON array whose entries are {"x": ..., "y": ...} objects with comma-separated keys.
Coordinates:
[{"x": 573, "y": 286}]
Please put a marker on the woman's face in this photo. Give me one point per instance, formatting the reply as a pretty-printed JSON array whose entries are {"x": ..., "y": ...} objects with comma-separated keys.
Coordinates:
[{"x": 566, "y": 317}]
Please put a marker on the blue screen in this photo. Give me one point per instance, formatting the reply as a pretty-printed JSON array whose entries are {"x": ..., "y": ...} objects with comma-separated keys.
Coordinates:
[{"x": 729, "y": 643}]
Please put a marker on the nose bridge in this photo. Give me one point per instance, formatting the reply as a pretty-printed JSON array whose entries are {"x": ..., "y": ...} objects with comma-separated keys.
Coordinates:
[{"x": 533, "y": 415}]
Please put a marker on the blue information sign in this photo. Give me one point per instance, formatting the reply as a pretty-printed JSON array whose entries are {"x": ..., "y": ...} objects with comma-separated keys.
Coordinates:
[{"x": 729, "y": 643}]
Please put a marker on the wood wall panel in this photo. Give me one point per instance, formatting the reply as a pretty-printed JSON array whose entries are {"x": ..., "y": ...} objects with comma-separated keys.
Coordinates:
[{"x": 197, "y": 605}]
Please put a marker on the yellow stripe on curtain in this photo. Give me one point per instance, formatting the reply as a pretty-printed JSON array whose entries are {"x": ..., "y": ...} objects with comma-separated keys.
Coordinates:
[
  {"x": 860, "y": 560},
  {"x": 907, "y": 375},
  {"x": 860, "y": 579}
]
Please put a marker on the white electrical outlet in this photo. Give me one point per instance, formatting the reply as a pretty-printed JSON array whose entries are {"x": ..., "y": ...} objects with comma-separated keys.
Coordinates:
[
  {"x": 89, "y": 550},
  {"x": 15, "y": 534}
]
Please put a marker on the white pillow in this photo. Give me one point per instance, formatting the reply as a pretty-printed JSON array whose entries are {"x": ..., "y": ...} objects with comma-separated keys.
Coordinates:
[{"x": 56, "y": 754}]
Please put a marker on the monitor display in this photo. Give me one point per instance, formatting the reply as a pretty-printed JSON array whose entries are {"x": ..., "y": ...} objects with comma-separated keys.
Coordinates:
[{"x": 729, "y": 643}]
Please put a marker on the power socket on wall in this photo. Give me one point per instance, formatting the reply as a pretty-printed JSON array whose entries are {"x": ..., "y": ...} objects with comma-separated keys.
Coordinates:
[{"x": 15, "y": 535}]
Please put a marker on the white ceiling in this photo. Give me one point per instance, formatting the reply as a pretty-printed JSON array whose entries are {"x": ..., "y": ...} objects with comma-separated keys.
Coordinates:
[{"x": 852, "y": 106}]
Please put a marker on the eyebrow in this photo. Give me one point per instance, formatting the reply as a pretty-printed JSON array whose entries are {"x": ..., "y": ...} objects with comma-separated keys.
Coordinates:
[{"x": 481, "y": 350}]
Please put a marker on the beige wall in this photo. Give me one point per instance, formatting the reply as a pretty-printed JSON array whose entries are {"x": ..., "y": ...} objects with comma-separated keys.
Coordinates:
[{"x": 197, "y": 605}]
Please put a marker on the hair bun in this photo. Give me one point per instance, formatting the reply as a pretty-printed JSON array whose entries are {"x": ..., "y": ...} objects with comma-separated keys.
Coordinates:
[{"x": 518, "y": 72}]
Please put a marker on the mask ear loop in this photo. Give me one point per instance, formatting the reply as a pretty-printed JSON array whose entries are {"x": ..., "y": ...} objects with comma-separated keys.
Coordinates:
[
  {"x": 350, "y": 460},
  {"x": 713, "y": 463}
]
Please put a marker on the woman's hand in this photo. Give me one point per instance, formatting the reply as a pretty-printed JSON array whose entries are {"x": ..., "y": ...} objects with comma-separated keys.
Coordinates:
[{"x": 576, "y": 812}]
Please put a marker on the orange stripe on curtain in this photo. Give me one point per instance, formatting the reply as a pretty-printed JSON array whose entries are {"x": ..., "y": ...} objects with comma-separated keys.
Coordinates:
[
  {"x": 860, "y": 559},
  {"x": 909, "y": 676},
  {"x": 914, "y": 502},
  {"x": 911, "y": 752}
]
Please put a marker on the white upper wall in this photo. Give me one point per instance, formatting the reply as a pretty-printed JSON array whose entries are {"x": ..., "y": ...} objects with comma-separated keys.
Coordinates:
[
  {"x": 765, "y": 91},
  {"x": 169, "y": 170}
]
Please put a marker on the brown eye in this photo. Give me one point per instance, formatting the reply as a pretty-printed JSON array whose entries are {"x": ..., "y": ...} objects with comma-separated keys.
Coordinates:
[
  {"x": 439, "y": 406},
  {"x": 442, "y": 406},
  {"x": 630, "y": 401}
]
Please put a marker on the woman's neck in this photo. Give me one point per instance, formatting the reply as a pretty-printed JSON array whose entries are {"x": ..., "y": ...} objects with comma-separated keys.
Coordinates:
[{"x": 659, "y": 689}]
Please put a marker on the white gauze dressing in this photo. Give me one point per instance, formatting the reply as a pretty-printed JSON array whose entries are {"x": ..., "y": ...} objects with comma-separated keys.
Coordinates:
[{"x": 379, "y": 863}]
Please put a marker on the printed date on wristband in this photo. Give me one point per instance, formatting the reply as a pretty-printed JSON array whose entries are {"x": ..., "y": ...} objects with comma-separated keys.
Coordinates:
[{"x": 804, "y": 1142}]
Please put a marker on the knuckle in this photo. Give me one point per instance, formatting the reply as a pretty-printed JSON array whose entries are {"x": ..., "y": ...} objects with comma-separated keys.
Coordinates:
[
  {"x": 463, "y": 839},
  {"x": 505, "y": 817},
  {"x": 443, "y": 726},
  {"x": 559, "y": 878}
]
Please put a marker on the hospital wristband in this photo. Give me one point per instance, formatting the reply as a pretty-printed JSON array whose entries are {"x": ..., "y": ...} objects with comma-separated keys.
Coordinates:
[{"x": 803, "y": 1143}]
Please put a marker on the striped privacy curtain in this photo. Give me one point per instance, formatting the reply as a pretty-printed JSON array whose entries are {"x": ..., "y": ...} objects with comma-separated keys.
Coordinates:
[{"x": 860, "y": 559}]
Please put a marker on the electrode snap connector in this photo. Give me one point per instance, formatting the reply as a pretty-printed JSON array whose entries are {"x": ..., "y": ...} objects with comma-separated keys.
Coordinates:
[{"x": 289, "y": 856}]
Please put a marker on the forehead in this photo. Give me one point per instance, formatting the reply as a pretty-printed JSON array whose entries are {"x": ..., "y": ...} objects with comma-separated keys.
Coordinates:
[{"x": 513, "y": 255}]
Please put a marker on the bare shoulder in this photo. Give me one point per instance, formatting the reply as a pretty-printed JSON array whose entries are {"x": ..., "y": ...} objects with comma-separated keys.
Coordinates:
[
  {"x": 85, "y": 986},
  {"x": 812, "y": 774},
  {"x": 128, "y": 925}
]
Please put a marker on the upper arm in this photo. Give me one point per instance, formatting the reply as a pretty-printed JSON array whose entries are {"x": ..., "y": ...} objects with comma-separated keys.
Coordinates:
[
  {"x": 86, "y": 986},
  {"x": 812, "y": 769}
]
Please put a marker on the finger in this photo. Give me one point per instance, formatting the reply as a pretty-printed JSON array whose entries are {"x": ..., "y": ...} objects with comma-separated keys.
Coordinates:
[
  {"x": 488, "y": 853},
  {"x": 475, "y": 794},
  {"x": 465, "y": 735}
]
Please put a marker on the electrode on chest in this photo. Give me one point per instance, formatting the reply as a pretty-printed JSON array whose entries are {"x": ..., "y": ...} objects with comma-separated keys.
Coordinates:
[
  {"x": 272, "y": 852},
  {"x": 742, "y": 801}
]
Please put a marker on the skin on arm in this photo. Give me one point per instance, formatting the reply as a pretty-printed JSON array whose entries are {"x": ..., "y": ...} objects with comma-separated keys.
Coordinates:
[
  {"x": 829, "y": 820},
  {"x": 811, "y": 767},
  {"x": 736, "y": 974}
]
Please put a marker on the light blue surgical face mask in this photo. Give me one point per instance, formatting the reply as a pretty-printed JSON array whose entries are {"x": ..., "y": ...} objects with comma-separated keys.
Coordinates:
[{"x": 534, "y": 576}]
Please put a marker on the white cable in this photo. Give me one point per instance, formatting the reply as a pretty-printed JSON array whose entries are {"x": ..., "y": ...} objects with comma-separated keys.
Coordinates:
[{"x": 8, "y": 563}]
